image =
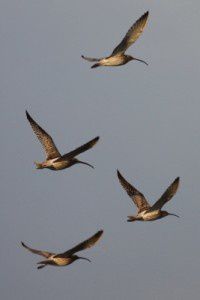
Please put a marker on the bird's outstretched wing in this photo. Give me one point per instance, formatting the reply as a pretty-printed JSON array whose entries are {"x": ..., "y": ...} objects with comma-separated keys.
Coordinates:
[
  {"x": 132, "y": 35},
  {"x": 82, "y": 246},
  {"x": 168, "y": 194},
  {"x": 137, "y": 197},
  {"x": 79, "y": 150},
  {"x": 91, "y": 59},
  {"x": 39, "y": 252},
  {"x": 45, "y": 139}
]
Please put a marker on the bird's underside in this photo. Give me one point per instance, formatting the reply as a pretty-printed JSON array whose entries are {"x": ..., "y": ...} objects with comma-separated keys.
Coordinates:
[
  {"x": 110, "y": 61},
  {"x": 113, "y": 60},
  {"x": 145, "y": 216}
]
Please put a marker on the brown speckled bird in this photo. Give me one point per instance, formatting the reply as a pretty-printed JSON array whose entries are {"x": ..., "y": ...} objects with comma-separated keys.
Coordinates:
[
  {"x": 65, "y": 258},
  {"x": 118, "y": 56},
  {"x": 54, "y": 160},
  {"x": 145, "y": 211}
]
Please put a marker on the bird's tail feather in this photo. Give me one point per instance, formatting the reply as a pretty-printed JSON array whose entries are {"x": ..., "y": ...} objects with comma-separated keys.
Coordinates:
[
  {"x": 131, "y": 219},
  {"x": 41, "y": 267},
  {"x": 38, "y": 165},
  {"x": 95, "y": 66}
]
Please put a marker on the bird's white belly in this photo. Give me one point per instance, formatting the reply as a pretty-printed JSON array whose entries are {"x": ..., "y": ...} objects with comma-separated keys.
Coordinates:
[
  {"x": 149, "y": 216},
  {"x": 153, "y": 215},
  {"x": 61, "y": 261},
  {"x": 58, "y": 165},
  {"x": 112, "y": 61}
]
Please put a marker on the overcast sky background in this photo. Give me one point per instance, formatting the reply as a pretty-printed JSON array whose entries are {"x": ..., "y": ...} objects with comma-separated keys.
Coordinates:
[{"x": 148, "y": 121}]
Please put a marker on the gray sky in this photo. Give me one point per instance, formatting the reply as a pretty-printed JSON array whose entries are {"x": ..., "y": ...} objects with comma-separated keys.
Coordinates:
[{"x": 148, "y": 120}]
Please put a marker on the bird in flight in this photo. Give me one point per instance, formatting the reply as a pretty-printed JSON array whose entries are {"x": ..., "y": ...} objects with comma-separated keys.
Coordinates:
[
  {"x": 118, "y": 56},
  {"x": 67, "y": 257},
  {"x": 145, "y": 211},
  {"x": 54, "y": 160}
]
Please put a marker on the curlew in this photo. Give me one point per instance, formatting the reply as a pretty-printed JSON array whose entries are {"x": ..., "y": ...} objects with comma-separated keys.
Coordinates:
[
  {"x": 54, "y": 160},
  {"x": 67, "y": 257},
  {"x": 118, "y": 56},
  {"x": 145, "y": 211}
]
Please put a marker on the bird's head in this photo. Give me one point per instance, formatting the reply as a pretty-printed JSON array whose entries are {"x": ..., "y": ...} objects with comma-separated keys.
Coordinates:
[
  {"x": 76, "y": 161},
  {"x": 75, "y": 257},
  {"x": 166, "y": 213},
  {"x": 129, "y": 58}
]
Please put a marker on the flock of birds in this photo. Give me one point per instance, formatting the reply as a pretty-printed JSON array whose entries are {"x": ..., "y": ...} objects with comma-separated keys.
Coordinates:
[{"x": 55, "y": 161}]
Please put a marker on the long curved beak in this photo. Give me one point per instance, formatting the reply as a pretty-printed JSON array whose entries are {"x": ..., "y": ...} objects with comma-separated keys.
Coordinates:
[
  {"x": 141, "y": 61},
  {"x": 85, "y": 163},
  {"x": 84, "y": 258},
  {"x": 174, "y": 215}
]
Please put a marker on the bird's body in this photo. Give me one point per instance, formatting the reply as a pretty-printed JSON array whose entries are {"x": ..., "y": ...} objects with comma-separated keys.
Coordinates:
[
  {"x": 54, "y": 160},
  {"x": 113, "y": 61},
  {"x": 58, "y": 261},
  {"x": 55, "y": 164},
  {"x": 146, "y": 216},
  {"x": 61, "y": 262},
  {"x": 145, "y": 211},
  {"x": 67, "y": 257},
  {"x": 118, "y": 56}
]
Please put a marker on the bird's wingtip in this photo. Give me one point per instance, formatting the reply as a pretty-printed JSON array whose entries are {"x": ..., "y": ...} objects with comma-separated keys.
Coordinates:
[
  {"x": 95, "y": 66},
  {"x": 99, "y": 233},
  {"x": 177, "y": 179},
  {"x": 118, "y": 173},
  {"x": 28, "y": 116},
  {"x": 96, "y": 139}
]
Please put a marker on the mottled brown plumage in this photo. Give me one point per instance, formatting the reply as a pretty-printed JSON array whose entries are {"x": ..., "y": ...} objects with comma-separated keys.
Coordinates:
[
  {"x": 118, "y": 56},
  {"x": 54, "y": 160},
  {"x": 145, "y": 211},
  {"x": 67, "y": 257},
  {"x": 137, "y": 197}
]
